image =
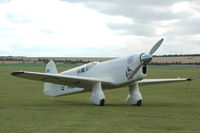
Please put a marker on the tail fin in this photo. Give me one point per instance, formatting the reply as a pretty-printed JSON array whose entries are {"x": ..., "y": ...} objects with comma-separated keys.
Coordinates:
[
  {"x": 51, "y": 67},
  {"x": 51, "y": 89}
]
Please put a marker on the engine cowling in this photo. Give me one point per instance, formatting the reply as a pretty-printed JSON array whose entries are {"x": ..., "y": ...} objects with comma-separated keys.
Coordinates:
[{"x": 142, "y": 73}]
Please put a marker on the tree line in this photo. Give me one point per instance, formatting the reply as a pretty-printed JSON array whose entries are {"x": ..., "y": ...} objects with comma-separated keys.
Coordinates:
[
  {"x": 177, "y": 55},
  {"x": 23, "y": 59}
]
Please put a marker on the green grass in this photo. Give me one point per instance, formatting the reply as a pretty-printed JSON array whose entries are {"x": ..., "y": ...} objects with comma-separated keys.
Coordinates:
[{"x": 166, "y": 108}]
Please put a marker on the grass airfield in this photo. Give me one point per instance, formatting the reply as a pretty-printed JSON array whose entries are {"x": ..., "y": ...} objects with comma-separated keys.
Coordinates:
[{"x": 166, "y": 108}]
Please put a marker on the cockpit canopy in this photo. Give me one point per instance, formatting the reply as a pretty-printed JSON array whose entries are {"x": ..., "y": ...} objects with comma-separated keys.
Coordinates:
[{"x": 86, "y": 67}]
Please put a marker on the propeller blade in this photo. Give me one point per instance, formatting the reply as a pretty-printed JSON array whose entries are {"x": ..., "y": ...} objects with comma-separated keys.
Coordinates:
[{"x": 156, "y": 46}]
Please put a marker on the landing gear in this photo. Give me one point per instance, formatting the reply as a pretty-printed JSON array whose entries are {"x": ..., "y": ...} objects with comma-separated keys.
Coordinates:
[
  {"x": 134, "y": 97},
  {"x": 98, "y": 97}
]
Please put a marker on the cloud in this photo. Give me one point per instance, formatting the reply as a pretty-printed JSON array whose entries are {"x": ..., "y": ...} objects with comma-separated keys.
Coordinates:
[
  {"x": 172, "y": 19},
  {"x": 98, "y": 28},
  {"x": 4, "y": 1},
  {"x": 62, "y": 29},
  {"x": 146, "y": 13}
]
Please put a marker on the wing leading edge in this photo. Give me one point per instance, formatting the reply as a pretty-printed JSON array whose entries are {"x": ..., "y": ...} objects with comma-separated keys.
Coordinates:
[
  {"x": 160, "y": 81},
  {"x": 69, "y": 80}
]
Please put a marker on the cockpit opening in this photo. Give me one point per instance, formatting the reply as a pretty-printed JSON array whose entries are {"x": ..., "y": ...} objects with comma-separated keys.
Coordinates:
[{"x": 86, "y": 67}]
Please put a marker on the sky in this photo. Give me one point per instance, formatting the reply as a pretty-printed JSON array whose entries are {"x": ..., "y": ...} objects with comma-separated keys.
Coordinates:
[{"x": 98, "y": 28}]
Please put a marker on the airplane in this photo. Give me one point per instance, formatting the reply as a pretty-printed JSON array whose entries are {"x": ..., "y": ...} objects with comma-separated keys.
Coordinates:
[{"x": 97, "y": 76}]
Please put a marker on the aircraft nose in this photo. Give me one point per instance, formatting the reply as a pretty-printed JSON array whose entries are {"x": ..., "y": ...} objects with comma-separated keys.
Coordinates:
[{"x": 145, "y": 58}]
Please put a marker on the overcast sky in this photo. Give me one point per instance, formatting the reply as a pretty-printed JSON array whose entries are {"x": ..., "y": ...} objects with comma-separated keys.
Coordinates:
[{"x": 98, "y": 28}]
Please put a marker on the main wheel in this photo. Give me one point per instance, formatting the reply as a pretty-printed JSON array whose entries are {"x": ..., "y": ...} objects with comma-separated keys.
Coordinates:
[
  {"x": 102, "y": 102},
  {"x": 139, "y": 103}
]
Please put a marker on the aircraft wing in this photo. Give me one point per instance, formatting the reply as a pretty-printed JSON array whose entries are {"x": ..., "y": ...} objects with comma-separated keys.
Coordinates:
[
  {"x": 69, "y": 80},
  {"x": 159, "y": 81}
]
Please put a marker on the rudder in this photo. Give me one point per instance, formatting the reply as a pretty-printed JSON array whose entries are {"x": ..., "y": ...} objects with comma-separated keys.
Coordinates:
[
  {"x": 51, "y": 67},
  {"x": 51, "y": 89}
]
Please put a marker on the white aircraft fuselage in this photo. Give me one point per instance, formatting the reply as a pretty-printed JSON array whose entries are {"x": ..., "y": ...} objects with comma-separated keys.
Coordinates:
[{"x": 115, "y": 70}]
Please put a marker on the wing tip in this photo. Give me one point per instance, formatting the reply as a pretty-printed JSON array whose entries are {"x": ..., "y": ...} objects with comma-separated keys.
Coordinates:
[
  {"x": 16, "y": 73},
  {"x": 189, "y": 79}
]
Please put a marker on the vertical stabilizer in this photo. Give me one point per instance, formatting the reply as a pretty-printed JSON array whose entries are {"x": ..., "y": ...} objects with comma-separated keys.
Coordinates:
[
  {"x": 51, "y": 89},
  {"x": 51, "y": 67}
]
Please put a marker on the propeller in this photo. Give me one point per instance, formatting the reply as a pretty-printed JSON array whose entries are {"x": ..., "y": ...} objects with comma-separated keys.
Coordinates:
[{"x": 146, "y": 58}]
